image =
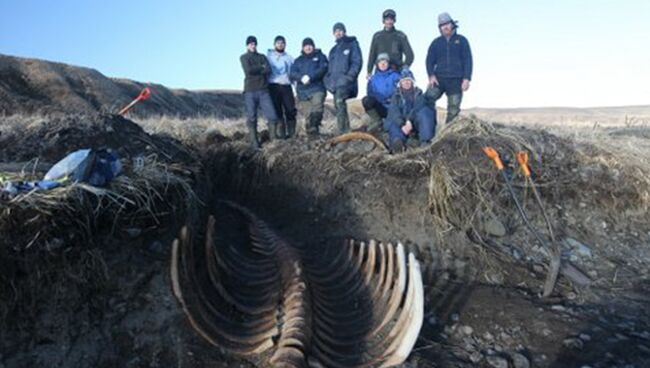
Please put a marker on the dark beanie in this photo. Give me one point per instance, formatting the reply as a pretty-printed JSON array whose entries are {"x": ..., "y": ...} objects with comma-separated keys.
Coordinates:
[
  {"x": 251, "y": 39},
  {"x": 389, "y": 13},
  {"x": 340, "y": 26},
  {"x": 279, "y": 38},
  {"x": 308, "y": 41}
]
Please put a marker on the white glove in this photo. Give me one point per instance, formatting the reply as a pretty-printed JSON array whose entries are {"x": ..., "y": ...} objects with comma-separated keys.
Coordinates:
[{"x": 305, "y": 79}]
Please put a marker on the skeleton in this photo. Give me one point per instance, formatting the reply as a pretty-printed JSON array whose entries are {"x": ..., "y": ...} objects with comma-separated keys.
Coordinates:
[{"x": 356, "y": 305}]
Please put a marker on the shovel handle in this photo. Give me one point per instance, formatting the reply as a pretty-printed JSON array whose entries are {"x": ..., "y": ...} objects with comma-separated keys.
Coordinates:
[
  {"x": 522, "y": 158},
  {"x": 493, "y": 155}
]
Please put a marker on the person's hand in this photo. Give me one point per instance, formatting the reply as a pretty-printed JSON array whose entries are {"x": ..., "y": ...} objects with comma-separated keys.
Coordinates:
[
  {"x": 465, "y": 85},
  {"x": 368, "y": 76},
  {"x": 433, "y": 81},
  {"x": 407, "y": 128},
  {"x": 305, "y": 79}
]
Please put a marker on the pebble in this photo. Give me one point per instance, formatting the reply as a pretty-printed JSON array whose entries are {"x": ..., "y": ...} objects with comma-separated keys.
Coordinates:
[
  {"x": 546, "y": 332},
  {"x": 455, "y": 317},
  {"x": 497, "y": 361},
  {"x": 488, "y": 336},
  {"x": 558, "y": 308},
  {"x": 433, "y": 321},
  {"x": 520, "y": 361},
  {"x": 573, "y": 343},
  {"x": 467, "y": 330},
  {"x": 475, "y": 357},
  {"x": 584, "y": 337}
]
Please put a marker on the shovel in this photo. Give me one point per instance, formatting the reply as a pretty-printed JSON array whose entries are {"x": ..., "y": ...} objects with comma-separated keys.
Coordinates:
[{"x": 144, "y": 95}]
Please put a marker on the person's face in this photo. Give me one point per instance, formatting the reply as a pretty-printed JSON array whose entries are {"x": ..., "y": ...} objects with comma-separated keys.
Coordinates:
[
  {"x": 280, "y": 45},
  {"x": 308, "y": 49},
  {"x": 389, "y": 23},
  {"x": 382, "y": 65},
  {"x": 339, "y": 33},
  {"x": 252, "y": 47},
  {"x": 447, "y": 29},
  {"x": 406, "y": 84}
]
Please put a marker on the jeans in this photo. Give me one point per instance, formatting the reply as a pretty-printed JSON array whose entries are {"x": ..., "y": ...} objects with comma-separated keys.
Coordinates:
[
  {"x": 313, "y": 108},
  {"x": 262, "y": 100},
  {"x": 452, "y": 87},
  {"x": 424, "y": 123}
]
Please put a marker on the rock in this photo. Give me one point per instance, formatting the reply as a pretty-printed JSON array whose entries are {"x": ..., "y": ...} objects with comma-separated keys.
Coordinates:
[
  {"x": 497, "y": 361},
  {"x": 467, "y": 330},
  {"x": 433, "y": 321},
  {"x": 573, "y": 343},
  {"x": 475, "y": 357},
  {"x": 494, "y": 227},
  {"x": 488, "y": 336},
  {"x": 578, "y": 248},
  {"x": 455, "y": 317},
  {"x": 520, "y": 361},
  {"x": 558, "y": 308},
  {"x": 584, "y": 337}
]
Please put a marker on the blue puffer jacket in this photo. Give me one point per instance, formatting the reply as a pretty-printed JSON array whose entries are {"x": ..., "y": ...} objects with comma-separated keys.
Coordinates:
[
  {"x": 405, "y": 104},
  {"x": 345, "y": 62},
  {"x": 315, "y": 66},
  {"x": 450, "y": 59},
  {"x": 382, "y": 85}
]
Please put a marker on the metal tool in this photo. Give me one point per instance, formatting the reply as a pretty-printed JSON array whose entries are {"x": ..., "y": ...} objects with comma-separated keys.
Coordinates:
[{"x": 144, "y": 95}]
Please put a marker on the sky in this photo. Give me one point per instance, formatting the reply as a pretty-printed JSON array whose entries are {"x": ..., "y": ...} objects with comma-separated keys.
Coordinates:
[{"x": 526, "y": 53}]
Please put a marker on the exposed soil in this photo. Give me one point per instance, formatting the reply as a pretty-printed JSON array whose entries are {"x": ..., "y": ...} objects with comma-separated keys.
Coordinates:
[{"x": 110, "y": 302}]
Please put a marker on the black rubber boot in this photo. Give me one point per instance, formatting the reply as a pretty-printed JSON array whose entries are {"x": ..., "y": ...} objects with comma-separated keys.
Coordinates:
[
  {"x": 291, "y": 129},
  {"x": 280, "y": 131},
  {"x": 254, "y": 140}
]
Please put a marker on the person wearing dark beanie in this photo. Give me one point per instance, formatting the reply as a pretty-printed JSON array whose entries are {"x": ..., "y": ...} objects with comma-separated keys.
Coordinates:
[
  {"x": 280, "y": 88},
  {"x": 392, "y": 42},
  {"x": 256, "y": 91},
  {"x": 307, "y": 73}
]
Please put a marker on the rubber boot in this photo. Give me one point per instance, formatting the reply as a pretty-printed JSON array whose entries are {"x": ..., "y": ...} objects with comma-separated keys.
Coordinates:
[
  {"x": 291, "y": 129},
  {"x": 254, "y": 140},
  {"x": 280, "y": 131},
  {"x": 375, "y": 124},
  {"x": 273, "y": 132}
]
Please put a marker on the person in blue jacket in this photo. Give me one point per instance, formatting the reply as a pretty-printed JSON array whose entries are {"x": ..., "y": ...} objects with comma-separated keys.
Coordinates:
[
  {"x": 409, "y": 113},
  {"x": 345, "y": 62},
  {"x": 307, "y": 72},
  {"x": 381, "y": 87},
  {"x": 449, "y": 65}
]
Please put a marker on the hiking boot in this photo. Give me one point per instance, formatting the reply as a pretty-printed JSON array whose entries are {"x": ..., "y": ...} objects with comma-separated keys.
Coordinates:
[{"x": 398, "y": 146}]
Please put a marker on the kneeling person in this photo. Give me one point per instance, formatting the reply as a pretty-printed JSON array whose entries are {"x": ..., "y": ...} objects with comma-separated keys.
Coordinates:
[
  {"x": 409, "y": 113},
  {"x": 308, "y": 71},
  {"x": 381, "y": 87}
]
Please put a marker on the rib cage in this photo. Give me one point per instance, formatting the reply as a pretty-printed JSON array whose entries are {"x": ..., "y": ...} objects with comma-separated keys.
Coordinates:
[{"x": 246, "y": 290}]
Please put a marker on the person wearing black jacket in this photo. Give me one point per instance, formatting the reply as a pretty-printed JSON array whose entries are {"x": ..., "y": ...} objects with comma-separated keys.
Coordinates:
[
  {"x": 308, "y": 71},
  {"x": 392, "y": 42},
  {"x": 449, "y": 65},
  {"x": 256, "y": 91}
]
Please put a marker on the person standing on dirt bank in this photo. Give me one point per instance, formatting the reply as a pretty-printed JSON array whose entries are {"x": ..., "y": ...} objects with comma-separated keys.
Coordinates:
[
  {"x": 280, "y": 88},
  {"x": 308, "y": 72},
  {"x": 381, "y": 87},
  {"x": 256, "y": 91},
  {"x": 449, "y": 65},
  {"x": 345, "y": 63},
  {"x": 409, "y": 113},
  {"x": 392, "y": 42}
]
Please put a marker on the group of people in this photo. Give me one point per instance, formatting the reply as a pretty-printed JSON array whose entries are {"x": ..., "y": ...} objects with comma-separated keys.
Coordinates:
[{"x": 393, "y": 102}]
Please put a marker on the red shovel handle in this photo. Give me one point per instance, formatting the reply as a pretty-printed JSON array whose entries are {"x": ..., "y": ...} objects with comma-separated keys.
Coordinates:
[{"x": 145, "y": 94}]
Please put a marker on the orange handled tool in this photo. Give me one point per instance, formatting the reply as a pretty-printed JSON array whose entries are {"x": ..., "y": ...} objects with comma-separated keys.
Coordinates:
[
  {"x": 144, "y": 95},
  {"x": 493, "y": 155},
  {"x": 522, "y": 158}
]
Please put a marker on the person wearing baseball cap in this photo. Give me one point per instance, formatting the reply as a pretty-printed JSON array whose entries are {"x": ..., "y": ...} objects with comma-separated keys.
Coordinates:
[
  {"x": 449, "y": 65},
  {"x": 256, "y": 91},
  {"x": 392, "y": 42},
  {"x": 280, "y": 88},
  {"x": 307, "y": 72},
  {"x": 345, "y": 63},
  {"x": 381, "y": 87},
  {"x": 409, "y": 113}
]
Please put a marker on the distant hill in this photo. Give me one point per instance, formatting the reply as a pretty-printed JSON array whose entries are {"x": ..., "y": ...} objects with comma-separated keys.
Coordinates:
[{"x": 37, "y": 86}]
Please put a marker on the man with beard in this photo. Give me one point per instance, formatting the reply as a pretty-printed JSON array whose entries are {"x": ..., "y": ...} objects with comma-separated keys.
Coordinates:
[
  {"x": 307, "y": 72},
  {"x": 280, "y": 88}
]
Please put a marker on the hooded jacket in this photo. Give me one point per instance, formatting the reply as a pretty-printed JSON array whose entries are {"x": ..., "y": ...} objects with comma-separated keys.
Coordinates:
[
  {"x": 450, "y": 58},
  {"x": 345, "y": 62},
  {"x": 382, "y": 85},
  {"x": 280, "y": 66},
  {"x": 315, "y": 66}
]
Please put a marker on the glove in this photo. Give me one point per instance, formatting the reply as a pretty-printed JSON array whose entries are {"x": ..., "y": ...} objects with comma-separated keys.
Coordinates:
[
  {"x": 407, "y": 128},
  {"x": 305, "y": 79}
]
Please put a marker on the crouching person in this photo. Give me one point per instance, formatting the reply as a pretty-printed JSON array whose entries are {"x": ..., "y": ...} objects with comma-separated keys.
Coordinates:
[
  {"x": 256, "y": 91},
  {"x": 381, "y": 87},
  {"x": 409, "y": 114},
  {"x": 308, "y": 71}
]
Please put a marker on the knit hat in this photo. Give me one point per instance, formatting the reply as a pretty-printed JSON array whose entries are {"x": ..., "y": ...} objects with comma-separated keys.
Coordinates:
[
  {"x": 279, "y": 38},
  {"x": 251, "y": 39},
  {"x": 406, "y": 74},
  {"x": 382, "y": 56},
  {"x": 308, "y": 41},
  {"x": 389, "y": 13},
  {"x": 340, "y": 26},
  {"x": 445, "y": 18}
]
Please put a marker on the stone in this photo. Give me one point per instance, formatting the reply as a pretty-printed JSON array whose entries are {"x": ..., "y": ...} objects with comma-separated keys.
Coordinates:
[
  {"x": 577, "y": 248},
  {"x": 494, "y": 227},
  {"x": 520, "y": 361},
  {"x": 467, "y": 330},
  {"x": 433, "y": 321},
  {"x": 584, "y": 337},
  {"x": 497, "y": 361},
  {"x": 573, "y": 343}
]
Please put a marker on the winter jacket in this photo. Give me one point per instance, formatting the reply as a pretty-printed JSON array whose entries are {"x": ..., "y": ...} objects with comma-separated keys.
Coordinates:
[
  {"x": 280, "y": 66},
  {"x": 405, "y": 104},
  {"x": 450, "y": 58},
  {"x": 345, "y": 63},
  {"x": 395, "y": 44},
  {"x": 256, "y": 71},
  {"x": 315, "y": 66},
  {"x": 382, "y": 85}
]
